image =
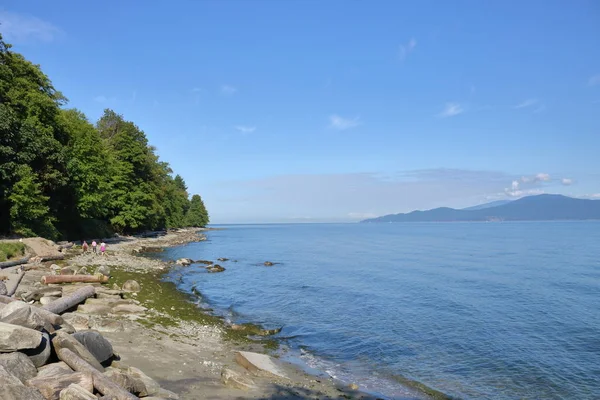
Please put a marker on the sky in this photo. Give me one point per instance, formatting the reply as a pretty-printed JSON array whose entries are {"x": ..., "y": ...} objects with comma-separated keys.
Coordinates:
[{"x": 316, "y": 111}]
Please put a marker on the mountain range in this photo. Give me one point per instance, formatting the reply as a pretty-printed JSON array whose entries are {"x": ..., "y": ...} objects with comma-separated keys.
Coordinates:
[{"x": 543, "y": 207}]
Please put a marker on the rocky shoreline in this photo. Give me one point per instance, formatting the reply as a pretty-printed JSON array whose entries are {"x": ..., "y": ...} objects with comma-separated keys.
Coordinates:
[{"x": 131, "y": 335}]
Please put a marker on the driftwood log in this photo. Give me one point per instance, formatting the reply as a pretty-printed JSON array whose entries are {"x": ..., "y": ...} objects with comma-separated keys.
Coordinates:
[
  {"x": 51, "y": 386},
  {"x": 101, "y": 382},
  {"x": 46, "y": 279},
  {"x": 52, "y": 258},
  {"x": 14, "y": 263},
  {"x": 18, "y": 281},
  {"x": 64, "y": 303}
]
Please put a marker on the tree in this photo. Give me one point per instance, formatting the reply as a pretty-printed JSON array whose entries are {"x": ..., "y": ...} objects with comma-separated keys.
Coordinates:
[{"x": 197, "y": 214}]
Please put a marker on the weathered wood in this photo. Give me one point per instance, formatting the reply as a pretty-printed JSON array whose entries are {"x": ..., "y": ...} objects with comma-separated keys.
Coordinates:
[
  {"x": 64, "y": 303},
  {"x": 52, "y": 258},
  {"x": 76, "y": 392},
  {"x": 47, "y": 279},
  {"x": 50, "y": 387},
  {"x": 16, "y": 285},
  {"x": 36, "y": 294},
  {"x": 14, "y": 263},
  {"x": 101, "y": 383},
  {"x": 6, "y": 299}
]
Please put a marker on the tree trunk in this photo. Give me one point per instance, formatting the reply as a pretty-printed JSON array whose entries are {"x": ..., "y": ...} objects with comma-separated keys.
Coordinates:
[
  {"x": 61, "y": 305},
  {"x": 52, "y": 258},
  {"x": 51, "y": 386},
  {"x": 14, "y": 263},
  {"x": 14, "y": 288},
  {"x": 46, "y": 279},
  {"x": 101, "y": 382}
]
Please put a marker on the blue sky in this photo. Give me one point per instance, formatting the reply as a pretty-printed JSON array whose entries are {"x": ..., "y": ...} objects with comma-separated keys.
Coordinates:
[{"x": 337, "y": 110}]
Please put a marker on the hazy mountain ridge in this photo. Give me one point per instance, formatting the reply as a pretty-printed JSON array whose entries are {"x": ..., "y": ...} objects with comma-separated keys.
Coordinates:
[{"x": 544, "y": 207}]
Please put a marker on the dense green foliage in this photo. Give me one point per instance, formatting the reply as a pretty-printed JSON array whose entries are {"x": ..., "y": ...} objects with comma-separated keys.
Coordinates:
[
  {"x": 61, "y": 176},
  {"x": 11, "y": 249}
]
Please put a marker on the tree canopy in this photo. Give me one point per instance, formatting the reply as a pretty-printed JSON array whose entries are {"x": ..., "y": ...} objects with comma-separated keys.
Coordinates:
[{"x": 62, "y": 176}]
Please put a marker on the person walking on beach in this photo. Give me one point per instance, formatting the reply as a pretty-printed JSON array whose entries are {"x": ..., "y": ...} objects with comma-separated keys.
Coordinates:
[
  {"x": 103, "y": 248},
  {"x": 94, "y": 245},
  {"x": 84, "y": 247}
]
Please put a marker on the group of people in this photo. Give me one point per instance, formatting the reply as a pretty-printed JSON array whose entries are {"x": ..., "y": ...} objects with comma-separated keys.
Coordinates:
[{"x": 85, "y": 247}]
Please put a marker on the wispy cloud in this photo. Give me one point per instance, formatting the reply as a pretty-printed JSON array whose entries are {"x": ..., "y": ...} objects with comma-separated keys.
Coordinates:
[
  {"x": 20, "y": 28},
  {"x": 566, "y": 181},
  {"x": 451, "y": 110},
  {"x": 594, "y": 80},
  {"x": 406, "y": 49},
  {"x": 228, "y": 90},
  {"x": 341, "y": 124},
  {"x": 527, "y": 103},
  {"x": 245, "y": 129}
]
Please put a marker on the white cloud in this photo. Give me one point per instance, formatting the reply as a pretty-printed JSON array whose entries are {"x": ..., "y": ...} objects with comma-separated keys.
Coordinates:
[
  {"x": 406, "y": 49},
  {"x": 594, "y": 80},
  {"x": 341, "y": 124},
  {"x": 542, "y": 177},
  {"x": 245, "y": 129},
  {"x": 527, "y": 103},
  {"x": 228, "y": 90},
  {"x": 566, "y": 181},
  {"x": 450, "y": 110},
  {"x": 22, "y": 28}
]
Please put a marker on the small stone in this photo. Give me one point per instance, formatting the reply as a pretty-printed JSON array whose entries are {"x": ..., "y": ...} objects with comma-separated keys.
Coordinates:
[
  {"x": 103, "y": 269},
  {"x": 82, "y": 271},
  {"x": 19, "y": 365},
  {"x": 235, "y": 380},
  {"x": 55, "y": 267},
  {"x": 67, "y": 271},
  {"x": 353, "y": 386},
  {"x": 132, "y": 286},
  {"x": 116, "y": 287}
]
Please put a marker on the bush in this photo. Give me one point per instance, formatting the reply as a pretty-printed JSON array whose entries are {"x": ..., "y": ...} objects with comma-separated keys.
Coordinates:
[{"x": 10, "y": 250}]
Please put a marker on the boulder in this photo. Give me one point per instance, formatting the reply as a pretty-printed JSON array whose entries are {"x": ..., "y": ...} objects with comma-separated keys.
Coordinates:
[
  {"x": 19, "y": 313},
  {"x": 93, "y": 309},
  {"x": 7, "y": 378},
  {"x": 258, "y": 363},
  {"x": 222, "y": 259},
  {"x": 148, "y": 386},
  {"x": 205, "y": 262},
  {"x": 76, "y": 392},
  {"x": 59, "y": 368},
  {"x": 184, "y": 261},
  {"x": 123, "y": 380},
  {"x": 268, "y": 264},
  {"x": 66, "y": 327},
  {"x": 19, "y": 365},
  {"x": 132, "y": 286},
  {"x": 40, "y": 355},
  {"x": 103, "y": 270},
  {"x": 15, "y": 337},
  {"x": 128, "y": 309},
  {"x": 215, "y": 268},
  {"x": 63, "y": 340},
  {"x": 96, "y": 344},
  {"x": 55, "y": 268},
  {"x": 235, "y": 380},
  {"x": 19, "y": 392},
  {"x": 3, "y": 289},
  {"x": 52, "y": 386}
]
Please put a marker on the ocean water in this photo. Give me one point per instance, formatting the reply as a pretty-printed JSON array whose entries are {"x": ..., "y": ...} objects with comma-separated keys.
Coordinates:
[{"x": 474, "y": 310}]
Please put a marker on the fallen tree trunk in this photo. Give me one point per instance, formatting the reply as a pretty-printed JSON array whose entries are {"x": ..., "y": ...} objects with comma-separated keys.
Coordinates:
[
  {"x": 101, "y": 382},
  {"x": 52, "y": 258},
  {"x": 6, "y": 299},
  {"x": 14, "y": 263},
  {"x": 64, "y": 303},
  {"x": 46, "y": 279},
  {"x": 14, "y": 288}
]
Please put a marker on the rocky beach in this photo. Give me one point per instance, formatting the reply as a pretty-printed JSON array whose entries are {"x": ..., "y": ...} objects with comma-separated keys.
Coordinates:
[{"x": 77, "y": 325}]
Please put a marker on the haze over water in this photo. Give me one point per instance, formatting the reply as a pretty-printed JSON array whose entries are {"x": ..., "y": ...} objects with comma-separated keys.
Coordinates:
[{"x": 475, "y": 310}]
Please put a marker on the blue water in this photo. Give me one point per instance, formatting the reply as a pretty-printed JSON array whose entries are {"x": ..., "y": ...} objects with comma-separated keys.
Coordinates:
[{"x": 474, "y": 310}]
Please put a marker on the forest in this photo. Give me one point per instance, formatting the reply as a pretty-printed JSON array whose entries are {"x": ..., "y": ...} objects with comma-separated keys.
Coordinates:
[{"x": 63, "y": 177}]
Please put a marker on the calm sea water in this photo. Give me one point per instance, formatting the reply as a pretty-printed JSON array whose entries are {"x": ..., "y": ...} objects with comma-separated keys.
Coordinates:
[{"x": 474, "y": 310}]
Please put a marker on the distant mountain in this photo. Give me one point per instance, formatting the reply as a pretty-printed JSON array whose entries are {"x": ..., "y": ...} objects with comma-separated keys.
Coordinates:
[
  {"x": 544, "y": 207},
  {"x": 487, "y": 205}
]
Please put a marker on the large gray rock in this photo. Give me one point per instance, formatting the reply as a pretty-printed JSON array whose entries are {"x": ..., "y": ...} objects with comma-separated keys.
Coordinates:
[
  {"x": 50, "y": 387},
  {"x": 258, "y": 363},
  {"x": 63, "y": 340},
  {"x": 96, "y": 344},
  {"x": 19, "y": 392},
  {"x": 59, "y": 368},
  {"x": 40, "y": 355},
  {"x": 3, "y": 289},
  {"x": 6, "y": 378},
  {"x": 19, "y": 313},
  {"x": 19, "y": 365},
  {"x": 122, "y": 379},
  {"x": 184, "y": 261},
  {"x": 103, "y": 270},
  {"x": 14, "y": 337},
  {"x": 148, "y": 387},
  {"x": 235, "y": 380},
  {"x": 76, "y": 392},
  {"x": 132, "y": 286}
]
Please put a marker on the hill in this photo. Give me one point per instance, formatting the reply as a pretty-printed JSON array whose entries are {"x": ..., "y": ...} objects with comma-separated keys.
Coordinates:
[
  {"x": 544, "y": 207},
  {"x": 487, "y": 205}
]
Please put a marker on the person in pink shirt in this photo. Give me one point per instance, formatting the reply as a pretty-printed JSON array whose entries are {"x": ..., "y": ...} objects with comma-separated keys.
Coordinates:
[
  {"x": 94, "y": 245},
  {"x": 103, "y": 248}
]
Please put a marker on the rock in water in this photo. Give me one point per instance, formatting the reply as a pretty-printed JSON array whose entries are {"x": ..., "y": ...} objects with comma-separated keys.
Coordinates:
[
  {"x": 132, "y": 286},
  {"x": 269, "y": 264},
  {"x": 96, "y": 344},
  {"x": 40, "y": 355},
  {"x": 233, "y": 379},
  {"x": 258, "y": 363},
  {"x": 14, "y": 337},
  {"x": 215, "y": 268},
  {"x": 76, "y": 392},
  {"x": 52, "y": 386},
  {"x": 63, "y": 340},
  {"x": 3, "y": 290},
  {"x": 19, "y": 365},
  {"x": 222, "y": 259}
]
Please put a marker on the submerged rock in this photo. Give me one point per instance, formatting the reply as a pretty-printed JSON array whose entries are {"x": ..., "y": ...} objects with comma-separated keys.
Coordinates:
[
  {"x": 205, "y": 262},
  {"x": 222, "y": 259},
  {"x": 268, "y": 264},
  {"x": 215, "y": 268},
  {"x": 184, "y": 261}
]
